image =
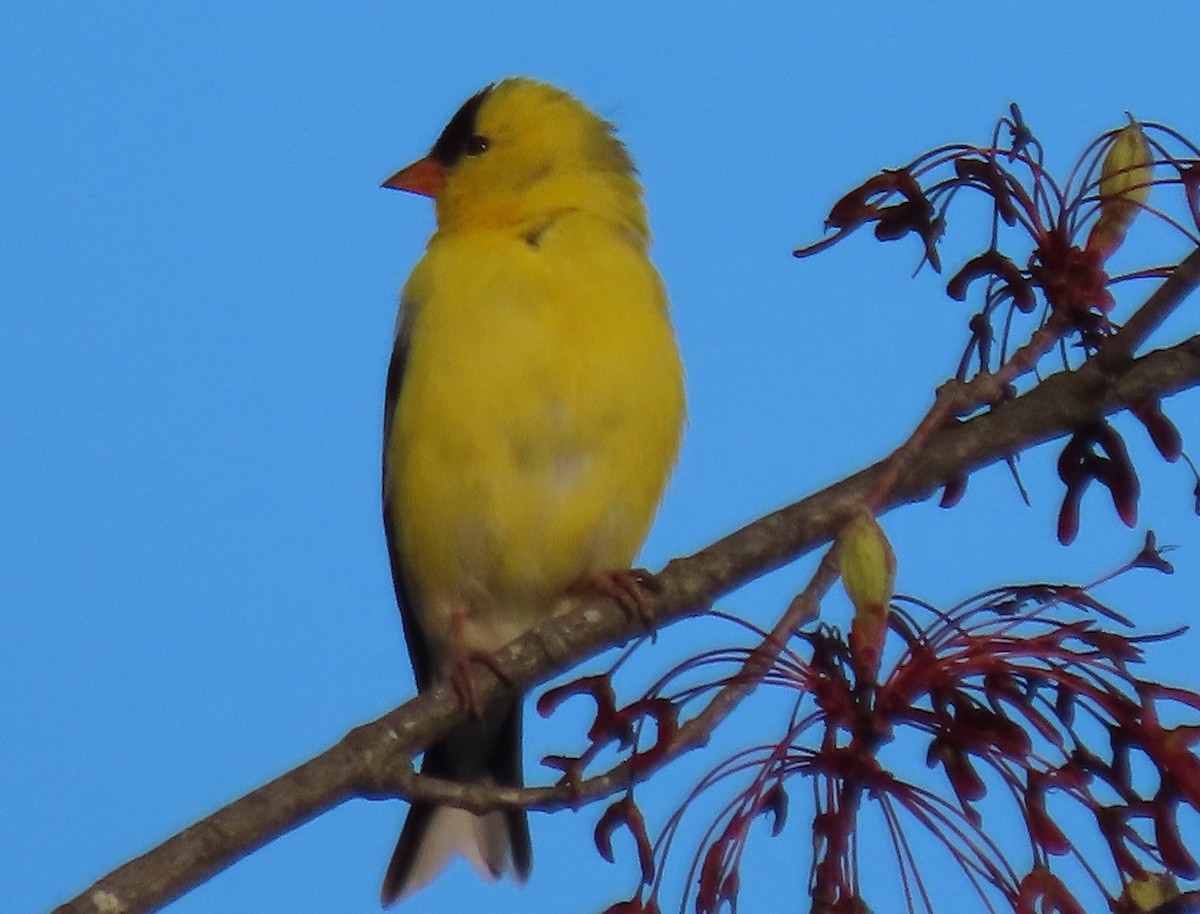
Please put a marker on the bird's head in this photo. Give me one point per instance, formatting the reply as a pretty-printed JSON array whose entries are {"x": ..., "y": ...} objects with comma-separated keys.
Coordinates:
[{"x": 518, "y": 151}]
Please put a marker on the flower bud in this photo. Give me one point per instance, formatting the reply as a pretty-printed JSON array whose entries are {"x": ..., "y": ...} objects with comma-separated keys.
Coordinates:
[
  {"x": 1125, "y": 178},
  {"x": 868, "y": 568},
  {"x": 1147, "y": 893}
]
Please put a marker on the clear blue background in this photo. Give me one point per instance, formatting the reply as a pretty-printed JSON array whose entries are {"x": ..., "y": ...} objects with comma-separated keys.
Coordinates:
[{"x": 198, "y": 277}]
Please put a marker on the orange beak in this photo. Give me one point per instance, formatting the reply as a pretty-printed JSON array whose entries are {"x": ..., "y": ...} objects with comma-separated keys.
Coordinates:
[{"x": 425, "y": 176}]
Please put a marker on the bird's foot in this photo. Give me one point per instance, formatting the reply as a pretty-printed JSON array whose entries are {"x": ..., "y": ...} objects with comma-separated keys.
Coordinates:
[
  {"x": 460, "y": 671},
  {"x": 633, "y": 589}
]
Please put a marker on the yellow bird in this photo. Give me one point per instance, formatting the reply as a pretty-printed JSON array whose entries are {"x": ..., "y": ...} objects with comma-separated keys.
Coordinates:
[{"x": 534, "y": 411}]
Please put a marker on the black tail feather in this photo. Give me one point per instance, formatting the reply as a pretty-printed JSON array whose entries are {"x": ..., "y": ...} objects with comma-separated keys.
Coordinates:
[{"x": 476, "y": 752}]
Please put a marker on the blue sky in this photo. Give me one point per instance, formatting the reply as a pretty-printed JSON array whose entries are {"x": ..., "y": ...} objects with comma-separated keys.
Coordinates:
[{"x": 198, "y": 277}]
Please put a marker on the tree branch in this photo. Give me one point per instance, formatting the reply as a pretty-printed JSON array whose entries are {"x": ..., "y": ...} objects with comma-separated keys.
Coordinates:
[
  {"x": 1157, "y": 308},
  {"x": 375, "y": 760}
]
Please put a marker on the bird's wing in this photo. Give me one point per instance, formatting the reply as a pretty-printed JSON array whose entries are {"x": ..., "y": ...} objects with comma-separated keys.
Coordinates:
[{"x": 418, "y": 650}]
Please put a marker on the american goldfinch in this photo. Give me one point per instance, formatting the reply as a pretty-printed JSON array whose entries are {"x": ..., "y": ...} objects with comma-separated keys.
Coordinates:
[{"x": 533, "y": 414}]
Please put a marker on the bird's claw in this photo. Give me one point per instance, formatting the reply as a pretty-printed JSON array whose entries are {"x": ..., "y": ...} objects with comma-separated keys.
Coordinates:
[
  {"x": 460, "y": 669},
  {"x": 635, "y": 590}
]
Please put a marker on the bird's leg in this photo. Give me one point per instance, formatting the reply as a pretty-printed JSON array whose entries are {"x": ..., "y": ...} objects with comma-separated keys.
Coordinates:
[
  {"x": 460, "y": 667},
  {"x": 633, "y": 589}
]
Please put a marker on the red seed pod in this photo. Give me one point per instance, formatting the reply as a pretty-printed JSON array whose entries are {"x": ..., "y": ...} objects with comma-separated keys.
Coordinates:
[
  {"x": 994, "y": 178},
  {"x": 993, "y": 263},
  {"x": 613, "y": 817},
  {"x": 625, "y": 812},
  {"x": 964, "y": 779},
  {"x": 1068, "y": 513},
  {"x": 1042, "y": 891},
  {"x": 856, "y": 207},
  {"x": 599, "y": 688},
  {"x": 1043, "y": 829},
  {"x": 899, "y": 219},
  {"x": 1162, "y": 430},
  {"x": 1170, "y": 843},
  {"x": 665, "y": 714},
  {"x": 1119, "y": 475},
  {"x": 712, "y": 879},
  {"x": 1074, "y": 453}
]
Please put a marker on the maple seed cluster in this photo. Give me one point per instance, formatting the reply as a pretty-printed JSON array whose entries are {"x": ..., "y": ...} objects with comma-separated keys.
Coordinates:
[
  {"x": 1066, "y": 234},
  {"x": 1030, "y": 685}
]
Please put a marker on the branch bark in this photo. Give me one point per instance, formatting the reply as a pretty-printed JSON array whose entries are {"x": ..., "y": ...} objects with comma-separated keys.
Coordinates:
[{"x": 375, "y": 759}]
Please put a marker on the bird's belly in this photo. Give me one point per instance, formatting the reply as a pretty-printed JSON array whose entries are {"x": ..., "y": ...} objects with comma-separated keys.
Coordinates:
[
  {"x": 494, "y": 526},
  {"x": 538, "y": 421}
]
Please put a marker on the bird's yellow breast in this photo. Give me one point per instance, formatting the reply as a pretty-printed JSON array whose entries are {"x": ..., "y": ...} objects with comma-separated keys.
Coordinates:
[{"x": 539, "y": 417}]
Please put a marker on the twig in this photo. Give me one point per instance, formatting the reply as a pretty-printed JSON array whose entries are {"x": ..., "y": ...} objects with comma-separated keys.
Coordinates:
[{"x": 1183, "y": 280}]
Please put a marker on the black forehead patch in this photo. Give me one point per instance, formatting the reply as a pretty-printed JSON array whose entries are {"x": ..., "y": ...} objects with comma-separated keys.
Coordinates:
[{"x": 450, "y": 146}]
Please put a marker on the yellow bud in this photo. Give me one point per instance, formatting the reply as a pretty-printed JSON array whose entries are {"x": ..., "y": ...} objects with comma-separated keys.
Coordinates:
[
  {"x": 868, "y": 564},
  {"x": 1127, "y": 169},
  {"x": 868, "y": 568},
  {"x": 1125, "y": 178},
  {"x": 1147, "y": 893}
]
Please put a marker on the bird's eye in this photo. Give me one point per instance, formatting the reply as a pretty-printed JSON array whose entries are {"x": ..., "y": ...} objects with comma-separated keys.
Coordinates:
[{"x": 476, "y": 145}]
